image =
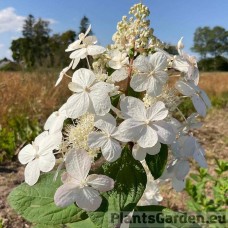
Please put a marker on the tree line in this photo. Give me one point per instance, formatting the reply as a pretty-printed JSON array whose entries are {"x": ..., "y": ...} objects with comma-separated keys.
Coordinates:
[
  {"x": 38, "y": 48},
  {"x": 210, "y": 41},
  {"x": 212, "y": 46}
]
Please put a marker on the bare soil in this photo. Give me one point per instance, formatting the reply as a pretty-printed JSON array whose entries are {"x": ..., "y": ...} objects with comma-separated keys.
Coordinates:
[{"x": 213, "y": 136}]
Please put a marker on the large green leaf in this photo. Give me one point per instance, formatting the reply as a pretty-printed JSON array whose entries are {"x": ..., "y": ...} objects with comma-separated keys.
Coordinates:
[
  {"x": 130, "y": 181},
  {"x": 36, "y": 203},
  {"x": 156, "y": 163},
  {"x": 145, "y": 216},
  {"x": 87, "y": 223}
]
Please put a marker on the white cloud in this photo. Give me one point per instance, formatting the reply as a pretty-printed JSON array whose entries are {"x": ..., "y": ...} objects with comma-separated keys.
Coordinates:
[
  {"x": 51, "y": 21},
  {"x": 1, "y": 46},
  {"x": 10, "y": 21}
]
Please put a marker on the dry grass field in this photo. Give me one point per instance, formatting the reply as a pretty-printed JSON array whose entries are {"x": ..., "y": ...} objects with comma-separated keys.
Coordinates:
[
  {"x": 214, "y": 83},
  {"x": 34, "y": 94},
  {"x": 30, "y": 93}
]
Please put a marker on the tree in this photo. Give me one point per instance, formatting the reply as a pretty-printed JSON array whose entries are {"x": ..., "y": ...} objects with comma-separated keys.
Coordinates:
[
  {"x": 210, "y": 41},
  {"x": 202, "y": 41},
  {"x": 219, "y": 41},
  {"x": 57, "y": 44},
  {"x": 28, "y": 27},
  {"x": 33, "y": 47},
  {"x": 84, "y": 24}
]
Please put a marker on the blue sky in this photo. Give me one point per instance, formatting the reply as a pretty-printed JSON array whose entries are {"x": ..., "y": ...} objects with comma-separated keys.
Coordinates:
[{"x": 170, "y": 19}]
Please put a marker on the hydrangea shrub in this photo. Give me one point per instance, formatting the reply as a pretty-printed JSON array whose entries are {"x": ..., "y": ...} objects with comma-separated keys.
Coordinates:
[{"x": 123, "y": 137}]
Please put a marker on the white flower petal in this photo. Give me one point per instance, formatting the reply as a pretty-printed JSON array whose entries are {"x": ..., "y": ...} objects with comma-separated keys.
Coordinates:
[
  {"x": 32, "y": 172},
  {"x": 180, "y": 64},
  {"x": 95, "y": 50},
  {"x": 199, "y": 156},
  {"x": 178, "y": 185},
  {"x": 50, "y": 143},
  {"x": 181, "y": 170},
  {"x": 66, "y": 195},
  {"x": 88, "y": 199},
  {"x": 158, "y": 60},
  {"x": 134, "y": 108},
  {"x": 162, "y": 77},
  {"x": 77, "y": 105},
  {"x": 139, "y": 153},
  {"x": 101, "y": 101},
  {"x": 96, "y": 139},
  {"x": 39, "y": 138},
  {"x": 106, "y": 127},
  {"x": 27, "y": 154},
  {"x": 119, "y": 75},
  {"x": 188, "y": 146},
  {"x": 205, "y": 98},
  {"x": 111, "y": 150},
  {"x": 103, "y": 87},
  {"x": 46, "y": 162},
  {"x": 114, "y": 64},
  {"x": 90, "y": 40},
  {"x": 141, "y": 63},
  {"x": 77, "y": 54},
  {"x": 199, "y": 105},
  {"x": 148, "y": 137},
  {"x": 88, "y": 30},
  {"x": 139, "y": 82},
  {"x": 55, "y": 122},
  {"x": 83, "y": 77},
  {"x": 78, "y": 164},
  {"x": 185, "y": 88},
  {"x": 154, "y": 87},
  {"x": 165, "y": 132},
  {"x": 157, "y": 112},
  {"x": 73, "y": 46},
  {"x": 74, "y": 87},
  {"x": 101, "y": 183},
  {"x": 75, "y": 62},
  {"x": 154, "y": 150},
  {"x": 107, "y": 118},
  {"x": 130, "y": 130}
]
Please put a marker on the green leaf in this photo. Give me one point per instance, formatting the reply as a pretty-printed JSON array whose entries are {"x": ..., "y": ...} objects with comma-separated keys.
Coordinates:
[
  {"x": 115, "y": 100},
  {"x": 130, "y": 182},
  {"x": 36, "y": 203},
  {"x": 47, "y": 226},
  {"x": 131, "y": 92},
  {"x": 87, "y": 223},
  {"x": 195, "y": 177},
  {"x": 147, "y": 212},
  {"x": 156, "y": 163}
]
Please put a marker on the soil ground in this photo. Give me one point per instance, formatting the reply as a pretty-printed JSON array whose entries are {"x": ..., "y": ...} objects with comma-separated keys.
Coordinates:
[{"x": 213, "y": 136}]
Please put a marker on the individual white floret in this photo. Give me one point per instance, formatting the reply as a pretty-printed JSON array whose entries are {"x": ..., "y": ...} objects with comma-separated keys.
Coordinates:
[
  {"x": 77, "y": 186},
  {"x": 199, "y": 98},
  {"x": 39, "y": 156},
  {"x": 89, "y": 95},
  {"x": 146, "y": 126},
  {"x": 106, "y": 138},
  {"x": 150, "y": 73}
]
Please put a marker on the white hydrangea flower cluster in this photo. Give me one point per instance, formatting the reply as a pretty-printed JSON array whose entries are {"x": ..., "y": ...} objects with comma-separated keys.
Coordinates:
[
  {"x": 135, "y": 31},
  {"x": 120, "y": 100}
]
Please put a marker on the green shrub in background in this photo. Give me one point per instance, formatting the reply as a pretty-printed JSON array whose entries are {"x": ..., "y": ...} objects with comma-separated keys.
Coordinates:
[
  {"x": 11, "y": 66},
  {"x": 19, "y": 130},
  {"x": 218, "y": 63},
  {"x": 208, "y": 193},
  {"x": 220, "y": 101}
]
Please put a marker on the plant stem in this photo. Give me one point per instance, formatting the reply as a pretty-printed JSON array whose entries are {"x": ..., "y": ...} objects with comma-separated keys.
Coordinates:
[{"x": 97, "y": 164}]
